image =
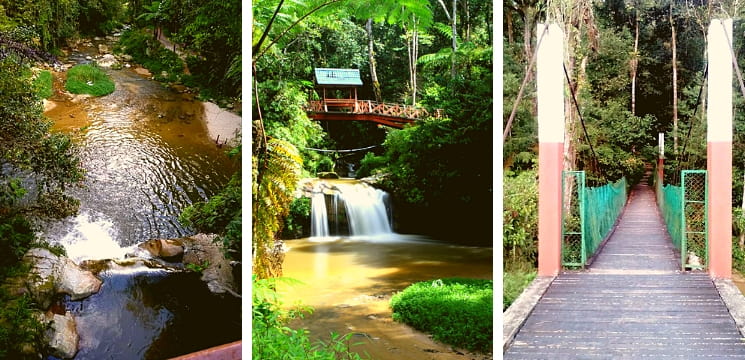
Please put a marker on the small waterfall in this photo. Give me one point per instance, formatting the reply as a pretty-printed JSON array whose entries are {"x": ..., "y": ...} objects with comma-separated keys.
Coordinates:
[
  {"x": 363, "y": 207},
  {"x": 319, "y": 220}
]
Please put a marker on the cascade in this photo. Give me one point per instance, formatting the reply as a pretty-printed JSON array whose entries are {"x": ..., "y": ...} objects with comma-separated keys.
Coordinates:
[
  {"x": 363, "y": 206},
  {"x": 319, "y": 222}
]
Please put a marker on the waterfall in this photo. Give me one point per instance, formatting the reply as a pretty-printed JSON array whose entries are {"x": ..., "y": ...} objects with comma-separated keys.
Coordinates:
[
  {"x": 363, "y": 207},
  {"x": 319, "y": 221}
]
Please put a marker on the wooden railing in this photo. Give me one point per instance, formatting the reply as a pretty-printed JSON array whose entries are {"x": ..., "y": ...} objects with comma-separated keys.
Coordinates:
[{"x": 370, "y": 107}]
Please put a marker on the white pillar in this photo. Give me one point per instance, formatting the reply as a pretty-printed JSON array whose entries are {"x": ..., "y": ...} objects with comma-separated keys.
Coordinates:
[
  {"x": 719, "y": 148},
  {"x": 550, "y": 96}
]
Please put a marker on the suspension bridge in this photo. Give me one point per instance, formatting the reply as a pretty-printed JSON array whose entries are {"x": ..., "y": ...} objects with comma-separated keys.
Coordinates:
[{"x": 639, "y": 273}]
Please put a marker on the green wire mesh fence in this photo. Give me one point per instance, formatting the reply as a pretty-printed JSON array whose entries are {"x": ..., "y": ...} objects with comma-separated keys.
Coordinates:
[
  {"x": 694, "y": 251},
  {"x": 685, "y": 211},
  {"x": 588, "y": 216},
  {"x": 573, "y": 252}
]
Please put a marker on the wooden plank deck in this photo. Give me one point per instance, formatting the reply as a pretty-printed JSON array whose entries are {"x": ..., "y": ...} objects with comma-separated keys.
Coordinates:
[{"x": 633, "y": 302}]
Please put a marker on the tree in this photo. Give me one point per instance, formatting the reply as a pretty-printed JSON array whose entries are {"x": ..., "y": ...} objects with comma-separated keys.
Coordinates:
[{"x": 154, "y": 15}]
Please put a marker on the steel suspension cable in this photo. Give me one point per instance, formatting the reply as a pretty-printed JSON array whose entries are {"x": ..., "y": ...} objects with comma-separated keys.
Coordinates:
[
  {"x": 582, "y": 121},
  {"x": 682, "y": 156}
]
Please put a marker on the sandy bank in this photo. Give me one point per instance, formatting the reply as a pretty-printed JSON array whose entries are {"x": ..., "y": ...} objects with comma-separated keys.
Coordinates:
[{"x": 222, "y": 123}]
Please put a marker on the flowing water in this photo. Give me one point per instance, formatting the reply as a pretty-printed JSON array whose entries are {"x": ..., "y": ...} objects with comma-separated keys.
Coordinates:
[
  {"x": 147, "y": 156},
  {"x": 349, "y": 273},
  {"x": 349, "y": 208}
]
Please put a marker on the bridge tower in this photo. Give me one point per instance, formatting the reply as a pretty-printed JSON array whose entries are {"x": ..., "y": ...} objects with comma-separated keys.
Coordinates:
[
  {"x": 550, "y": 95},
  {"x": 719, "y": 147}
]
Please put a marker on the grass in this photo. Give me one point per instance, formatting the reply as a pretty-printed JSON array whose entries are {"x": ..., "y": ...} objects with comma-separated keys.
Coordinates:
[
  {"x": 455, "y": 311},
  {"x": 514, "y": 280},
  {"x": 272, "y": 339},
  {"x": 43, "y": 84},
  {"x": 88, "y": 79}
]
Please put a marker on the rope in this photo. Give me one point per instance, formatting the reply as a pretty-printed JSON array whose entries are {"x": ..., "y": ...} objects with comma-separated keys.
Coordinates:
[
  {"x": 342, "y": 151},
  {"x": 582, "y": 121}
]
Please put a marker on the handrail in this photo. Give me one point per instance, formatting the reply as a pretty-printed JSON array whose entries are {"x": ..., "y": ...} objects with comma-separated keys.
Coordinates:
[{"x": 371, "y": 107}]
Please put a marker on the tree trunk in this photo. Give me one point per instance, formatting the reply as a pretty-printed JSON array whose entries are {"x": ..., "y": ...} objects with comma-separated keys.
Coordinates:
[
  {"x": 455, "y": 44},
  {"x": 468, "y": 21},
  {"x": 412, "y": 47},
  {"x": 371, "y": 58},
  {"x": 510, "y": 38},
  {"x": 675, "y": 84},
  {"x": 634, "y": 66}
]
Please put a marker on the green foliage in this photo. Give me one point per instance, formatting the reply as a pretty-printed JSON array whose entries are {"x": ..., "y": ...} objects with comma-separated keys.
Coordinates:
[
  {"x": 370, "y": 163},
  {"x": 514, "y": 282},
  {"x": 212, "y": 29},
  {"x": 520, "y": 217},
  {"x": 272, "y": 339},
  {"x": 456, "y": 311},
  {"x": 16, "y": 237},
  {"x": 43, "y": 84},
  {"x": 26, "y": 145},
  {"x": 100, "y": 17},
  {"x": 275, "y": 174},
  {"x": 198, "y": 268},
  {"x": 151, "y": 54},
  {"x": 221, "y": 215},
  {"x": 88, "y": 79},
  {"x": 297, "y": 224},
  {"x": 20, "y": 330}
]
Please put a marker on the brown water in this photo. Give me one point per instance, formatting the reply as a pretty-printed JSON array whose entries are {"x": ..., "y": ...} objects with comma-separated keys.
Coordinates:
[
  {"x": 349, "y": 284},
  {"x": 147, "y": 156}
]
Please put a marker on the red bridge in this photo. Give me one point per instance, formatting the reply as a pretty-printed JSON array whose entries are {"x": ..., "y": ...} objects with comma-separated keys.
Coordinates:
[
  {"x": 338, "y": 90},
  {"x": 393, "y": 115}
]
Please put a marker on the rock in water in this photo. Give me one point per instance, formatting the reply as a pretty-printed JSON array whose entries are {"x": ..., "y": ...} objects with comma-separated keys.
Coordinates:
[
  {"x": 77, "y": 282},
  {"x": 166, "y": 249},
  {"x": 107, "y": 60},
  {"x": 201, "y": 249},
  {"x": 62, "y": 335},
  {"x": 51, "y": 274}
]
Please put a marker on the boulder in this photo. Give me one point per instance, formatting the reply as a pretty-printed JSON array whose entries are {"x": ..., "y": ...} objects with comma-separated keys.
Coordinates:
[
  {"x": 127, "y": 58},
  {"x": 107, "y": 60},
  {"x": 62, "y": 335},
  {"x": 201, "y": 249},
  {"x": 166, "y": 249},
  {"x": 76, "y": 282},
  {"x": 51, "y": 274},
  {"x": 142, "y": 71}
]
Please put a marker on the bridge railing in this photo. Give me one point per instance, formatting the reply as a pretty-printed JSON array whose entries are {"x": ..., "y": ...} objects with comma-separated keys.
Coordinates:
[
  {"x": 370, "y": 107},
  {"x": 684, "y": 209},
  {"x": 588, "y": 216}
]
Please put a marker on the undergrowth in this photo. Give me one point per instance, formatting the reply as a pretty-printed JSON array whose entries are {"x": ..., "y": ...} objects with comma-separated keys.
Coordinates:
[
  {"x": 43, "y": 84},
  {"x": 272, "y": 339},
  {"x": 88, "y": 79},
  {"x": 455, "y": 311},
  {"x": 515, "y": 280}
]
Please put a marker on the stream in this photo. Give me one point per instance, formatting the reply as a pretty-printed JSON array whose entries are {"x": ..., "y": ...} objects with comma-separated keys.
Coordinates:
[{"x": 147, "y": 155}]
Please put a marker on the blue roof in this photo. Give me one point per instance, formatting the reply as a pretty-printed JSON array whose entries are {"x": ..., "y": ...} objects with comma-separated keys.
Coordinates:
[{"x": 347, "y": 77}]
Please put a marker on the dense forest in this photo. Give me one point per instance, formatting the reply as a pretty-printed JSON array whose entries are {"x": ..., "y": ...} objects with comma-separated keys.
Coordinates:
[
  {"x": 637, "y": 68},
  {"x": 422, "y": 53},
  {"x": 38, "y": 165}
]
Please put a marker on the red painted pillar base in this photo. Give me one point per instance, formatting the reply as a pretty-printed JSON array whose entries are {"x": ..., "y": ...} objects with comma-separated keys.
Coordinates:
[
  {"x": 549, "y": 207},
  {"x": 719, "y": 164}
]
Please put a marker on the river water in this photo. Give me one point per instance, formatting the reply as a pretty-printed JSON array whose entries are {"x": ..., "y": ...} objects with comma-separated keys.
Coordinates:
[
  {"x": 349, "y": 282},
  {"x": 147, "y": 156}
]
